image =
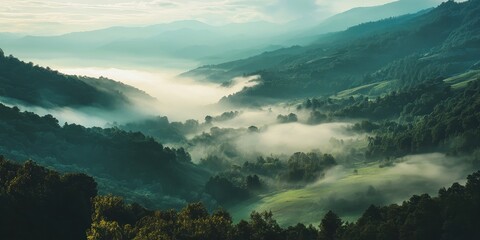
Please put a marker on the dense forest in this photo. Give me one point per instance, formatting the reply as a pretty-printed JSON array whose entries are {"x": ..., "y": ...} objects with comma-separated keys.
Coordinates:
[
  {"x": 233, "y": 183},
  {"x": 111, "y": 154},
  {"x": 428, "y": 117},
  {"x": 56, "y": 206},
  {"x": 336, "y": 135}
]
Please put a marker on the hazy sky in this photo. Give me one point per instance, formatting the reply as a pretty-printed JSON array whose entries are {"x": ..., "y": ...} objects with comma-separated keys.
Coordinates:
[{"x": 60, "y": 16}]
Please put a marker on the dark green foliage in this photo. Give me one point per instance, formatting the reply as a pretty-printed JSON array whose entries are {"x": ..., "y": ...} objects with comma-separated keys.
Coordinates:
[
  {"x": 44, "y": 87},
  {"x": 292, "y": 117},
  {"x": 424, "y": 118},
  {"x": 452, "y": 124},
  {"x": 192, "y": 222},
  {"x": 308, "y": 167},
  {"x": 407, "y": 50},
  {"x": 330, "y": 226},
  {"x": 317, "y": 117},
  {"x": 215, "y": 163},
  {"x": 107, "y": 153},
  {"x": 269, "y": 166},
  {"x": 160, "y": 128},
  {"x": 231, "y": 187},
  {"x": 225, "y": 191},
  {"x": 264, "y": 226},
  {"x": 220, "y": 142},
  {"x": 37, "y": 203},
  {"x": 365, "y": 126},
  {"x": 408, "y": 103},
  {"x": 113, "y": 219},
  {"x": 300, "y": 167},
  {"x": 226, "y": 116},
  {"x": 234, "y": 183},
  {"x": 253, "y": 183},
  {"x": 208, "y": 119},
  {"x": 451, "y": 215},
  {"x": 301, "y": 232}
]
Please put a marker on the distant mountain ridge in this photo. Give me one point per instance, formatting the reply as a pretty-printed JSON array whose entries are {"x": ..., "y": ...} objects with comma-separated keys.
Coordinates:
[
  {"x": 431, "y": 45},
  {"x": 355, "y": 16},
  {"x": 195, "y": 41},
  {"x": 191, "y": 40}
]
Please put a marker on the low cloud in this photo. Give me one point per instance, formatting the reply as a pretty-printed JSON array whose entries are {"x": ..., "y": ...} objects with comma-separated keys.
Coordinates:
[
  {"x": 295, "y": 137},
  {"x": 349, "y": 193},
  {"x": 415, "y": 174},
  {"x": 178, "y": 98}
]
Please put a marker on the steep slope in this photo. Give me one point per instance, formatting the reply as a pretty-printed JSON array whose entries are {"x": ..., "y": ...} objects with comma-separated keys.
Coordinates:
[
  {"x": 37, "y": 86},
  {"x": 126, "y": 163},
  {"x": 412, "y": 48}
]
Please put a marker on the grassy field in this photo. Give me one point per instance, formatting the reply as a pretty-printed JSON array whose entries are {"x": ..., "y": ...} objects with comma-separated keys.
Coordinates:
[
  {"x": 461, "y": 80},
  {"x": 349, "y": 193},
  {"x": 366, "y": 90},
  {"x": 305, "y": 205}
]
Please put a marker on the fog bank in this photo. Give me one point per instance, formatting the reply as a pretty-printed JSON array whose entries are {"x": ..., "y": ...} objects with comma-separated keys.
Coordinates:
[
  {"x": 178, "y": 98},
  {"x": 349, "y": 193}
]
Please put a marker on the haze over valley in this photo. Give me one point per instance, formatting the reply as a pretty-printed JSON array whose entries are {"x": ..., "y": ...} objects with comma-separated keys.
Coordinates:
[{"x": 240, "y": 120}]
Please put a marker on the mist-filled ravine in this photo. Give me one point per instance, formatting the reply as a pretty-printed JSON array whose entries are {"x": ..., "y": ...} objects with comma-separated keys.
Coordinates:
[{"x": 276, "y": 120}]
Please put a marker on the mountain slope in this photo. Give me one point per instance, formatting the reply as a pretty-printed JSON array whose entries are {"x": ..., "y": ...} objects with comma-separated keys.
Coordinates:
[
  {"x": 412, "y": 48},
  {"x": 37, "y": 86},
  {"x": 125, "y": 163},
  {"x": 356, "y": 16}
]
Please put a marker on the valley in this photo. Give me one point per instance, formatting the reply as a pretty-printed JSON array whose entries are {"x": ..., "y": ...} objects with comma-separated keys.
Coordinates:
[{"x": 361, "y": 125}]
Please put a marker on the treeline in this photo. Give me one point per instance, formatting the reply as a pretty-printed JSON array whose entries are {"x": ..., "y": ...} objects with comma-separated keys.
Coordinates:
[
  {"x": 37, "y": 203},
  {"x": 451, "y": 215},
  {"x": 409, "y": 50},
  {"x": 174, "y": 132},
  {"x": 38, "y": 86},
  {"x": 109, "y": 154},
  {"x": 236, "y": 183},
  {"x": 162, "y": 129},
  {"x": 405, "y": 104},
  {"x": 428, "y": 117},
  {"x": 452, "y": 125}
]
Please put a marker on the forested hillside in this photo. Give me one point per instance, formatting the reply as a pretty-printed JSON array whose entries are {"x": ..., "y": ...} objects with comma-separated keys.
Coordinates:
[
  {"x": 55, "y": 206},
  {"x": 32, "y": 85},
  {"x": 113, "y": 155},
  {"x": 434, "y": 116},
  {"x": 405, "y": 51},
  {"x": 346, "y": 138}
]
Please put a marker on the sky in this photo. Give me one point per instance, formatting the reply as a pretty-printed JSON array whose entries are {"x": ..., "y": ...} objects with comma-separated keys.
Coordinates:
[{"x": 47, "y": 17}]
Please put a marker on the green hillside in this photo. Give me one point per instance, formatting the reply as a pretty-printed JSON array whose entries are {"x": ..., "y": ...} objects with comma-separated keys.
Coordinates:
[
  {"x": 32, "y": 85},
  {"x": 427, "y": 46}
]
